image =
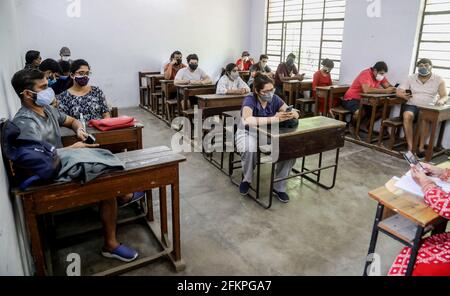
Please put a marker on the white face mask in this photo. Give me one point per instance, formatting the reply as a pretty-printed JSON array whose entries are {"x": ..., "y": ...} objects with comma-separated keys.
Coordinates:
[
  {"x": 380, "y": 77},
  {"x": 65, "y": 58}
]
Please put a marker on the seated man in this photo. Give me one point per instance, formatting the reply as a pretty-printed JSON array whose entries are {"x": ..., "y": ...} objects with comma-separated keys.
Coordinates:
[
  {"x": 192, "y": 75},
  {"x": 323, "y": 78},
  {"x": 421, "y": 88},
  {"x": 231, "y": 82},
  {"x": 369, "y": 81},
  {"x": 245, "y": 62},
  {"x": 287, "y": 71},
  {"x": 64, "y": 82},
  {"x": 51, "y": 70},
  {"x": 65, "y": 54},
  {"x": 172, "y": 68},
  {"x": 37, "y": 120},
  {"x": 260, "y": 67},
  {"x": 32, "y": 59}
]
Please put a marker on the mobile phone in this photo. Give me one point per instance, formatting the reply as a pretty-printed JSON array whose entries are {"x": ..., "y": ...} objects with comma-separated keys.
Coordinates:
[
  {"x": 289, "y": 108},
  {"x": 90, "y": 139},
  {"x": 412, "y": 159}
]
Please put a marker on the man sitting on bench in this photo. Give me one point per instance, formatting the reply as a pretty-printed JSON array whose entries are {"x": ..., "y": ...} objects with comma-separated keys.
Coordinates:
[{"x": 39, "y": 121}]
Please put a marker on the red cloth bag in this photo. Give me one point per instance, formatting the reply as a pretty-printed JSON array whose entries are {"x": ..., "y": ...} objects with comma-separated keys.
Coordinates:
[{"x": 109, "y": 124}]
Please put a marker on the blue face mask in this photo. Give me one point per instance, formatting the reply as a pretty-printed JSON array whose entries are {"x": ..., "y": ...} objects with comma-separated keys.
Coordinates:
[
  {"x": 268, "y": 97},
  {"x": 51, "y": 82},
  {"x": 63, "y": 77},
  {"x": 44, "y": 97},
  {"x": 424, "y": 71}
]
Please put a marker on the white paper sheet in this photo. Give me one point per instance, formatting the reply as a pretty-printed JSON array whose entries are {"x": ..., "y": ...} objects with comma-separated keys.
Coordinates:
[{"x": 407, "y": 183}]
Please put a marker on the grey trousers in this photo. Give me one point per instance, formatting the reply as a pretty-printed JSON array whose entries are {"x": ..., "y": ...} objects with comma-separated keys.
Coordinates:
[{"x": 246, "y": 144}]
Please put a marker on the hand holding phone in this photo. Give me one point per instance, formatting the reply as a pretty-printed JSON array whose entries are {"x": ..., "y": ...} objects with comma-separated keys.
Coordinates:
[
  {"x": 90, "y": 140},
  {"x": 289, "y": 108},
  {"x": 412, "y": 160}
]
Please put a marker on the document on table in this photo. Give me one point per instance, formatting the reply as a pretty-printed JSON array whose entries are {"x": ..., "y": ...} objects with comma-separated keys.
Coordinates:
[{"x": 407, "y": 184}]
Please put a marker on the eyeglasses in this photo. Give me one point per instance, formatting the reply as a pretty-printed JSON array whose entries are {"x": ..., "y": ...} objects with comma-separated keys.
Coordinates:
[
  {"x": 265, "y": 92},
  {"x": 82, "y": 73}
]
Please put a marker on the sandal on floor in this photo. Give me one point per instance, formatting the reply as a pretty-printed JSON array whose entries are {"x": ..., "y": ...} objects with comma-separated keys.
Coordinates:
[
  {"x": 136, "y": 197},
  {"x": 122, "y": 253}
]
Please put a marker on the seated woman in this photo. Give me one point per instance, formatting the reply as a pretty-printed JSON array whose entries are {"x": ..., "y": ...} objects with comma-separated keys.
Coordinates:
[
  {"x": 323, "y": 78},
  {"x": 82, "y": 98},
  {"x": 90, "y": 101},
  {"x": 262, "y": 107},
  {"x": 433, "y": 258},
  {"x": 231, "y": 82}
]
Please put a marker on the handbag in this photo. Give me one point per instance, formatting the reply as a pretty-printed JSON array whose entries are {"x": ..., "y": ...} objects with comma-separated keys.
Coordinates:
[{"x": 109, "y": 124}]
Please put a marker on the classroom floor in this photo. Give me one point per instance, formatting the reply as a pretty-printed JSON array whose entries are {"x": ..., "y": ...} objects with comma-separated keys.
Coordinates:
[{"x": 318, "y": 233}]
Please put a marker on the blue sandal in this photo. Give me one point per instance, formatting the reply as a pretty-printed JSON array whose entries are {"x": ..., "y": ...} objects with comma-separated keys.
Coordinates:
[
  {"x": 136, "y": 197},
  {"x": 122, "y": 253}
]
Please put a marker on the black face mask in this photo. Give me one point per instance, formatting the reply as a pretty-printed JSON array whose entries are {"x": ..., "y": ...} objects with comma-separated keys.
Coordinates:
[
  {"x": 290, "y": 62},
  {"x": 179, "y": 62},
  {"x": 193, "y": 67}
]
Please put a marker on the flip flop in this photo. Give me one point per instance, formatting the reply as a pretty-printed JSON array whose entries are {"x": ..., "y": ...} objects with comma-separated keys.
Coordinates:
[
  {"x": 122, "y": 253},
  {"x": 136, "y": 197}
]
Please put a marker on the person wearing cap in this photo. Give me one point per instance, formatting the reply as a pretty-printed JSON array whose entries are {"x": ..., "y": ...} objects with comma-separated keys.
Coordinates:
[
  {"x": 421, "y": 89},
  {"x": 323, "y": 78},
  {"x": 65, "y": 54},
  {"x": 32, "y": 59},
  {"x": 285, "y": 72},
  {"x": 245, "y": 62}
]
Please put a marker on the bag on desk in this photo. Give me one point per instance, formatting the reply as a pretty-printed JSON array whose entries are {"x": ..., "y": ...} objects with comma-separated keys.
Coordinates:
[
  {"x": 109, "y": 124},
  {"x": 291, "y": 123}
]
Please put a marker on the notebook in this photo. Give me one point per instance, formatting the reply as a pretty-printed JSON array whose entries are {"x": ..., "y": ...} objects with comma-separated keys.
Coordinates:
[{"x": 407, "y": 184}]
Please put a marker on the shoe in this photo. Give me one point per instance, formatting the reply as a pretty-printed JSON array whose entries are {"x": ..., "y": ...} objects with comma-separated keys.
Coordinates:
[
  {"x": 121, "y": 253},
  {"x": 244, "y": 188},
  {"x": 282, "y": 196},
  {"x": 136, "y": 197},
  {"x": 421, "y": 155}
]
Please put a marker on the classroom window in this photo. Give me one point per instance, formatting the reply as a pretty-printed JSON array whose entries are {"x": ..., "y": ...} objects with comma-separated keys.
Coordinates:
[
  {"x": 312, "y": 29},
  {"x": 434, "y": 38}
]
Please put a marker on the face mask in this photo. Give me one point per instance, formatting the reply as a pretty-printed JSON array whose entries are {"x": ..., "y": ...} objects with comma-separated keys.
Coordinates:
[
  {"x": 326, "y": 70},
  {"x": 81, "y": 80},
  {"x": 63, "y": 77},
  {"x": 263, "y": 65},
  {"x": 65, "y": 58},
  {"x": 179, "y": 62},
  {"x": 380, "y": 77},
  {"x": 44, "y": 97},
  {"x": 193, "y": 67},
  {"x": 268, "y": 97},
  {"x": 290, "y": 62},
  {"x": 51, "y": 82},
  {"x": 423, "y": 71},
  {"x": 234, "y": 75}
]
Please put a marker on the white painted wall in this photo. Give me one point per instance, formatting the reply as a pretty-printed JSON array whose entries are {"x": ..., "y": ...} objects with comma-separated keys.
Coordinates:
[
  {"x": 257, "y": 27},
  {"x": 121, "y": 37}
]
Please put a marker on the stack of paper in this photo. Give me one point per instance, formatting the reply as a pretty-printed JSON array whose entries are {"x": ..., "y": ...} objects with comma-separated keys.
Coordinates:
[{"x": 407, "y": 184}]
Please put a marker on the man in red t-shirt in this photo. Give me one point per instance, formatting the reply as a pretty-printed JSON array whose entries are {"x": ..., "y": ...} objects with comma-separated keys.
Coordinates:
[
  {"x": 369, "y": 81},
  {"x": 245, "y": 62},
  {"x": 323, "y": 78}
]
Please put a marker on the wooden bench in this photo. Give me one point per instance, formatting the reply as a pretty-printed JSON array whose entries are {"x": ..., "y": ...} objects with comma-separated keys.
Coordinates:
[
  {"x": 394, "y": 125},
  {"x": 144, "y": 96}
]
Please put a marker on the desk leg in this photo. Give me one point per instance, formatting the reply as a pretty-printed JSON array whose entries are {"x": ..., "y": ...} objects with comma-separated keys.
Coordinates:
[
  {"x": 176, "y": 253},
  {"x": 430, "y": 150},
  {"x": 417, "y": 133},
  {"x": 326, "y": 103},
  {"x": 441, "y": 135},
  {"x": 372, "y": 124},
  {"x": 150, "y": 216},
  {"x": 291, "y": 98},
  {"x": 374, "y": 238},
  {"x": 414, "y": 251},
  {"x": 163, "y": 213},
  {"x": 385, "y": 115},
  {"x": 358, "y": 121},
  {"x": 317, "y": 105},
  {"x": 36, "y": 244}
]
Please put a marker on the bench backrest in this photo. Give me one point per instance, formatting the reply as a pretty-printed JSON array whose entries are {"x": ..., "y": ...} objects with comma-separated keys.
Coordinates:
[{"x": 142, "y": 77}]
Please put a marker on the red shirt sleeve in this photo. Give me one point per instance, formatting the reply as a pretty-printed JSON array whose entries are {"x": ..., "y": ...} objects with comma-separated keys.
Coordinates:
[{"x": 439, "y": 201}]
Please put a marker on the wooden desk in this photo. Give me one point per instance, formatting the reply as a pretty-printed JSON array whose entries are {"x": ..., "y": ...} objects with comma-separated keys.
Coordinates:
[
  {"x": 328, "y": 93},
  {"x": 145, "y": 170},
  {"x": 373, "y": 100},
  {"x": 434, "y": 115},
  {"x": 212, "y": 105},
  {"x": 115, "y": 141},
  {"x": 153, "y": 84},
  {"x": 184, "y": 92},
  {"x": 313, "y": 136},
  {"x": 404, "y": 217},
  {"x": 294, "y": 87}
]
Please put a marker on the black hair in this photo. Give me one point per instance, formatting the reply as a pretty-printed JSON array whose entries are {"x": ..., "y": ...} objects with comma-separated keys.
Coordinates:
[
  {"x": 260, "y": 81},
  {"x": 175, "y": 53},
  {"x": 381, "y": 66},
  {"x": 31, "y": 55},
  {"x": 192, "y": 56},
  {"x": 77, "y": 64},
  {"x": 245, "y": 54},
  {"x": 424, "y": 61},
  {"x": 328, "y": 63},
  {"x": 50, "y": 65},
  {"x": 65, "y": 66},
  {"x": 291, "y": 55},
  {"x": 228, "y": 69},
  {"x": 263, "y": 56},
  {"x": 25, "y": 79}
]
